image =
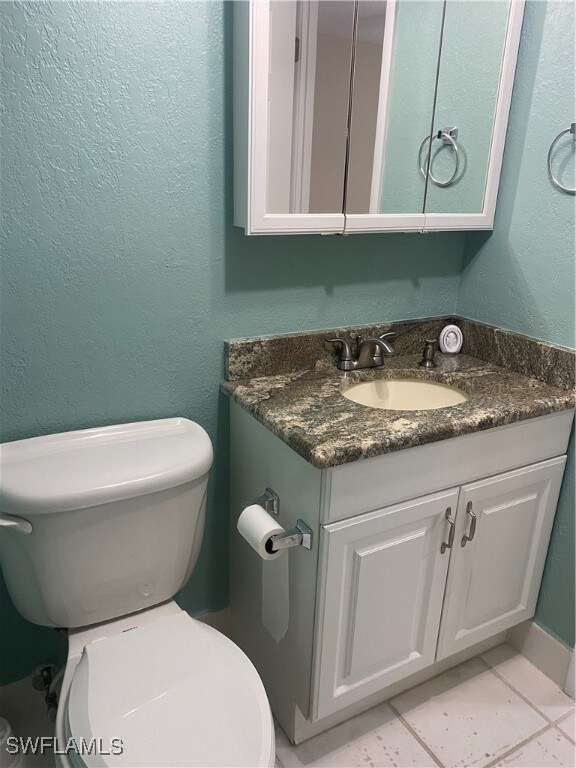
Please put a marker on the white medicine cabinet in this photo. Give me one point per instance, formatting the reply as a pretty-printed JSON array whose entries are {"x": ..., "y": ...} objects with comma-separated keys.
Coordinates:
[{"x": 371, "y": 115}]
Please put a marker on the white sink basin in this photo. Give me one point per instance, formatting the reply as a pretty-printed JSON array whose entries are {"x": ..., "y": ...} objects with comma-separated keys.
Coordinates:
[{"x": 404, "y": 395}]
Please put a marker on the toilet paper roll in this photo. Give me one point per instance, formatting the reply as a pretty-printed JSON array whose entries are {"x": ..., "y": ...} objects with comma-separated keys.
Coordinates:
[{"x": 256, "y": 526}]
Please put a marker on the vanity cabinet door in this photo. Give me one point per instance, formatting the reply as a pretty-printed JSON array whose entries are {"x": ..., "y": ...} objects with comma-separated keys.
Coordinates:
[
  {"x": 494, "y": 578},
  {"x": 382, "y": 583}
]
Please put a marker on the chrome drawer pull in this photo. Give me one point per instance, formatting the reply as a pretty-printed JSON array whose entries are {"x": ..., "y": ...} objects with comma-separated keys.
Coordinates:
[
  {"x": 473, "y": 519},
  {"x": 452, "y": 523}
]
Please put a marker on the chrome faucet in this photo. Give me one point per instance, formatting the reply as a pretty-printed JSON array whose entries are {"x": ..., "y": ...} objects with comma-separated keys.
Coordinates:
[{"x": 370, "y": 352}]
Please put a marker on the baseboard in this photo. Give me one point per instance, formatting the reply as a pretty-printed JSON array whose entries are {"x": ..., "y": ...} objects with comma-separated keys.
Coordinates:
[
  {"x": 570, "y": 685},
  {"x": 542, "y": 650},
  {"x": 219, "y": 620}
]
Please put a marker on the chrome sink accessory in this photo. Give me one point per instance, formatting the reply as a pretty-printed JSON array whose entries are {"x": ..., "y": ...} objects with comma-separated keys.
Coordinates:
[
  {"x": 370, "y": 352},
  {"x": 428, "y": 354}
]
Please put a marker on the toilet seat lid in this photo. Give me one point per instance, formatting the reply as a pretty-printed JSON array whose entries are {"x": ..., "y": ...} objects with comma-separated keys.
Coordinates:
[{"x": 176, "y": 692}]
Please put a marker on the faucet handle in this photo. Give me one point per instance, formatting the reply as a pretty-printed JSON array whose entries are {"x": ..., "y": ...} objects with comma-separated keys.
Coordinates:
[
  {"x": 345, "y": 351},
  {"x": 346, "y": 361},
  {"x": 388, "y": 335}
]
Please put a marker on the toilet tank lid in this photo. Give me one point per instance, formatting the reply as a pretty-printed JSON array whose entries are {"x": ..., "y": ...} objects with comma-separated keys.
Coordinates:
[{"x": 75, "y": 470}]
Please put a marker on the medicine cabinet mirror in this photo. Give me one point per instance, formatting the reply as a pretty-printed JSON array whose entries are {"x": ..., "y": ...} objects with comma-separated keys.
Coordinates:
[{"x": 371, "y": 115}]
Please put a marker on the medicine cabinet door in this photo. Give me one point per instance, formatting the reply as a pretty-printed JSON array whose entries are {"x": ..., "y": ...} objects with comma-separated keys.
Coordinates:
[
  {"x": 444, "y": 95},
  {"x": 395, "y": 68},
  {"x": 292, "y": 69},
  {"x": 475, "y": 78}
]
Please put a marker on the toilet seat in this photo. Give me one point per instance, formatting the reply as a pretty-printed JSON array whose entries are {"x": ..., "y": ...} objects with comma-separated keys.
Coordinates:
[{"x": 176, "y": 692}]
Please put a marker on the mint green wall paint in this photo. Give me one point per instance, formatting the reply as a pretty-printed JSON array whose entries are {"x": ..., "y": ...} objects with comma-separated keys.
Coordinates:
[
  {"x": 521, "y": 276},
  {"x": 122, "y": 273}
]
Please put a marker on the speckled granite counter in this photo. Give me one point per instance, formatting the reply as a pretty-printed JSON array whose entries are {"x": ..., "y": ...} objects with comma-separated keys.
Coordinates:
[{"x": 306, "y": 410}]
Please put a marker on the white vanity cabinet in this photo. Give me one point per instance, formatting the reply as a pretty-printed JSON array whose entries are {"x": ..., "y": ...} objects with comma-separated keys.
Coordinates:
[
  {"x": 494, "y": 580},
  {"x": 387, "y": 574},
  {"x": 391, "y": 591},
  {"x": 384, "y": 583}
]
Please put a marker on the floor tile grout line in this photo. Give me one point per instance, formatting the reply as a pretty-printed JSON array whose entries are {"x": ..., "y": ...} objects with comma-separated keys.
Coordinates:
[
  {"x": 413, "y": 733},
  {"x": 566, "y": 715},
  {"x": 518, "y": 746},
  {"x": 523, "y": 697},
  {"x": 559, "y": 721}
]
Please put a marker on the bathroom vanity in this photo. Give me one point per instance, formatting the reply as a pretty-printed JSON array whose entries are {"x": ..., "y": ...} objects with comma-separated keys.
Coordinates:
[{"x": 430, "y": 528}]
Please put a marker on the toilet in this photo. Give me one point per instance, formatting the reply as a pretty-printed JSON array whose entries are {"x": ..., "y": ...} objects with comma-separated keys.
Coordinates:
[{"x": 100, "y": 529}]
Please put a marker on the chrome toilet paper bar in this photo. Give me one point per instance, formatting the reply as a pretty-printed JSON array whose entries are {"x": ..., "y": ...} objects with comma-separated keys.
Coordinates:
[{"x": 300, "y": 536}]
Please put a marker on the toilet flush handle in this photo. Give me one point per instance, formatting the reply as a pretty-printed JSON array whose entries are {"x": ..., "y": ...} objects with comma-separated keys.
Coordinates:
[{"x": 16, "y": 523}]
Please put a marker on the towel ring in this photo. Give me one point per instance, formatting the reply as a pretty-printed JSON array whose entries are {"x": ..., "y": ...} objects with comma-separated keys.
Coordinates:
[
  {"x": 557, "y": 183},
  {"x": 448, "y": 136}
]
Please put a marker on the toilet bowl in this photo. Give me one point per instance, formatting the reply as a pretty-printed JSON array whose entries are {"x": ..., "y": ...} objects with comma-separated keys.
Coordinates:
[
  {"x": 101, "y": 528},
  {"x": 160, "y": 688}
]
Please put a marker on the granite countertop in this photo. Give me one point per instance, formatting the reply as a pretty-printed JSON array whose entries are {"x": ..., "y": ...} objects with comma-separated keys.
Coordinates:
[{"x": 306, "y": 410}]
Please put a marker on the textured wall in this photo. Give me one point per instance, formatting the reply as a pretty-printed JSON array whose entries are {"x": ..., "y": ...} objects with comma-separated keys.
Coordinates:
[
  {"x": 521, "y": 276},
  {"x": 121, "y": 271}
]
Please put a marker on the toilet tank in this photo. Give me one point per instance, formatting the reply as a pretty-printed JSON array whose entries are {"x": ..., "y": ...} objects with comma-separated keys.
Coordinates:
[{"x": 116, "y": 517}]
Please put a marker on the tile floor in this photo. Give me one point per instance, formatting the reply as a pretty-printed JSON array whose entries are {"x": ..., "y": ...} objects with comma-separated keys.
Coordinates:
[{"x": 494, "y": 710}]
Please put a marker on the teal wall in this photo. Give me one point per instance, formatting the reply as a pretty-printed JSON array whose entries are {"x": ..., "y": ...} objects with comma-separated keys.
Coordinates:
[
  {"x": 521, "y": 276},
  {"x": 122, "y": 273}
]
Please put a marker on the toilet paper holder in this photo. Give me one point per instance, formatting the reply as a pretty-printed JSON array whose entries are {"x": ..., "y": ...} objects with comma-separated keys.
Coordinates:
[
  {"x": 269, "y": 500},
  {"x": 299, "y": 536}
]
